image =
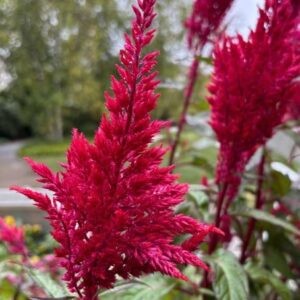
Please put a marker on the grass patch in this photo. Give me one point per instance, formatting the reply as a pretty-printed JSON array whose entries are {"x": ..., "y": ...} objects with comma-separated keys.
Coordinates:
[
  {"x": 39, "y": 148},
  {"x": 49, "y": 153},
  {"x": 52, "y": 162}
]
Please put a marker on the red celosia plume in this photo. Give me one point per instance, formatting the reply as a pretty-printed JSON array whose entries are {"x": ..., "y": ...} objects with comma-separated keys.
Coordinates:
[
  {"x": 249, "y": 86},
  {"x": 202, "y": 26},
  {"x": 13, "y": 237},
  {"x": 113, "y": 206},
  {"x": 205, "y": 20}
]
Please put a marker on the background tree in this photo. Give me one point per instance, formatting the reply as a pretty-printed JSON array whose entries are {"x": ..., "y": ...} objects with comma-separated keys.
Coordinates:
[{"x": 60, "y": 54}]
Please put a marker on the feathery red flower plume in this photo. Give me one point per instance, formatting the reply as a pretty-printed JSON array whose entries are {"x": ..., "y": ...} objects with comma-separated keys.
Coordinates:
[
  {"x": 203, "y": 23},
  {"x": 13, "y": 237},
  {"x": 113, "y": 207},
  {"x": 205, "y": 20},
  {"x": 249, "y": 86}
]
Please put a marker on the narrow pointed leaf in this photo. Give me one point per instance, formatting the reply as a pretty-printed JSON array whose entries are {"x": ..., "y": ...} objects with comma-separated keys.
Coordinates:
[{"x": 268, "y": 218}]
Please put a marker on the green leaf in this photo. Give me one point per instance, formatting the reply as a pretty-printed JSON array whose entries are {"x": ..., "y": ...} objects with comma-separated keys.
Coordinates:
[
  {"x": 50, "y": 286},
  {"x": 260, "y": 275},
  {"x": 276, "y": 259},
  {"x": 203, "y": 163},
  {"x": 125, "y": 285},
  {"x": 266, "y": 217},
  {"x": 206, "y": 292},
  {"x": 231, "y": 281},
  {"x": 280, "y": 183},
  {"x": 8, "y": 291},
  {"x": 197, "y": 195},
  {"x": 289, "y": 247},
  {"x": 154, "y": 287}
]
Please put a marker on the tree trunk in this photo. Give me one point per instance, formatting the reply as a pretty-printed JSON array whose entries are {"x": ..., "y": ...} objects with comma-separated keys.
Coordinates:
[{"x": 55, "y": 132}]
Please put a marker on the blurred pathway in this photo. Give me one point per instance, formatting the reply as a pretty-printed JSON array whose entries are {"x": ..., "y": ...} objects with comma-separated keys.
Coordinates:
[{"x": 13, "y": 170}]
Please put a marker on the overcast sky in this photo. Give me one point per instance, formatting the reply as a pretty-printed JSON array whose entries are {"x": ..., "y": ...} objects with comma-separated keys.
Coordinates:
[{"x": 243, "y": 15}]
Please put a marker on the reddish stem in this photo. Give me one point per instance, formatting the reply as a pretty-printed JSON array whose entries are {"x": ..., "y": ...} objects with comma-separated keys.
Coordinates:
[
  {"x": 221, "y": 200},
  {"x": 259, "y": 204},
  {"x": 214, "y": 239},
  {"x": 193, "y": 75}
]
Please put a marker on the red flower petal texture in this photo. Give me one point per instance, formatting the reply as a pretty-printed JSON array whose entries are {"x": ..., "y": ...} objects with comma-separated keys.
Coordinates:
[
  {"x": 13, "y": 237},
  {"x": 249, "y": 87},
  {"x": 205, "y": 20},
  {"x": 113, "y": 206},
  {"x": 293, "y": 112}
]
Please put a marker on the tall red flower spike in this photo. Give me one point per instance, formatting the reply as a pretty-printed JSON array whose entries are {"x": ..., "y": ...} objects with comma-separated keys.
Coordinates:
[
  {"x": 249, "y": 86},
  {"x": 113, "y": 207},
  {"x": 205, "y": 20},
  {"x": 202, "y": 26}
]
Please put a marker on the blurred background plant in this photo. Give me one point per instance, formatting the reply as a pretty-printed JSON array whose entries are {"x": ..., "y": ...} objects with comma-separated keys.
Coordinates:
[
  {"x": 56, "y": 58},
  {"x": 26, "y": 260}
]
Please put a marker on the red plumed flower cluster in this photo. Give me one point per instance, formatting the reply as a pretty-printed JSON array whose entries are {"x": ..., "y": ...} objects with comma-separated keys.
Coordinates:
[
  {"x": 202, "y": 25},
  {"x": 113, "y": 206},
  {"x": 205, "y": 20},
  {"x": 249, "y": 88},
  {"x": 13, "y": 237}
]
